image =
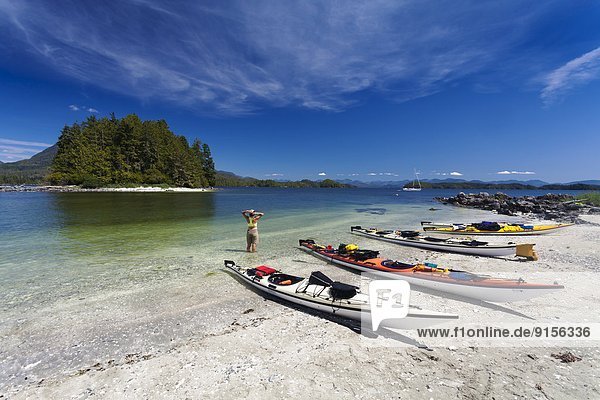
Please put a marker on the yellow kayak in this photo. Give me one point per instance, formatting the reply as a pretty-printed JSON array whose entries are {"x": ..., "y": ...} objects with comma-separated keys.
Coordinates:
[{"x": 491, "y": 228}]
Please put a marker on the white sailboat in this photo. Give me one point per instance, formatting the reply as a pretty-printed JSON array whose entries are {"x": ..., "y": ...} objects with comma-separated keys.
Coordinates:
[{"x": 413, "y": 188}]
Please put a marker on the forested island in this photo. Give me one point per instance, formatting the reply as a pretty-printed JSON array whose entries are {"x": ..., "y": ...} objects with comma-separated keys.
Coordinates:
[{"x": 113, "y": 151}]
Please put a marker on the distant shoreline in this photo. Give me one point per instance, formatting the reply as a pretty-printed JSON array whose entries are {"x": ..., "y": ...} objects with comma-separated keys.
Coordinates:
[
  {"x": 78, "y": 189},
  {"x": 159, "y": 189}
]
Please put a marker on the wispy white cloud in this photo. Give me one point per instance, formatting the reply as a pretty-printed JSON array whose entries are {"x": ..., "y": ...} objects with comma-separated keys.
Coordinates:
[
  {"x": 18, "y": 149},
  {"x": 9, "y": 157},
  {"x": 453, "y": 173},
  {"x": 237, "y": 57},
  {"x": 515, "y": 173},
  {"x": 15, "y": 150},
  {"x": 75, "y": 107},
  {"x": 24, "y": 143},
  {"x": 275, "y": 174},
  {"x": 576, "y": 72},
  {"x": 321, "y": 174}
]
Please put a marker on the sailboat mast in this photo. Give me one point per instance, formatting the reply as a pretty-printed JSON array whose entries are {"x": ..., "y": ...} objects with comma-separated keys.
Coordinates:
[{"x": 417, "y": 175}]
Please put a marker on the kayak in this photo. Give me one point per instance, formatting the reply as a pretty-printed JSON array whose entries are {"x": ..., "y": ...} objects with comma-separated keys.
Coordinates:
[
  {"x": 430, "y": 276},
  {"x": 491, "y": 228},
  {"x": 318, "y": 292},
  {"x": 414, "y": 239}
]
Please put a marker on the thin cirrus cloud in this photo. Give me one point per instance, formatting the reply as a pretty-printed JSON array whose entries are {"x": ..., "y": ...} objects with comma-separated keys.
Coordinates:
[
  {"x": 75, "y": 107},
  {"x": 453, "y": 173},
  {"x": 238, "y": 57},
  {"x": 506, "y": 172},
  {"x": 576, "y": 72},
  {"x": 15, "y": 150},
  {"x": 371, "y": 174}
]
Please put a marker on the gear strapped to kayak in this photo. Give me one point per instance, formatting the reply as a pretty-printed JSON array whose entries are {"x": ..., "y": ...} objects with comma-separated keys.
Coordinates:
[
  {"x": 490, "y": 228},
  {"x": 462, "y": 246},
  {"x": 337, "y": 290}
]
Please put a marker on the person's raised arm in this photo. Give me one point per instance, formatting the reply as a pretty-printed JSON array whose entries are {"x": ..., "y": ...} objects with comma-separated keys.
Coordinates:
[{"x": 258, "y": 215}]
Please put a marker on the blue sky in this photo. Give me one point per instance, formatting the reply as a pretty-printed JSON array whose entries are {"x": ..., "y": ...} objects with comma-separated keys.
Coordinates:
[{"x": 289, "y": 90}]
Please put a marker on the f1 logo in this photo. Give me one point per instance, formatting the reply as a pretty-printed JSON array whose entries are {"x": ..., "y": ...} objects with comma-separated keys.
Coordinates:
[{"x": 389, "y": 299}]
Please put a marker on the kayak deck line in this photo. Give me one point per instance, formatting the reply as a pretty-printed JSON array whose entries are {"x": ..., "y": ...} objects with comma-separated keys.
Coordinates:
[{"x": 463, "y": 283}]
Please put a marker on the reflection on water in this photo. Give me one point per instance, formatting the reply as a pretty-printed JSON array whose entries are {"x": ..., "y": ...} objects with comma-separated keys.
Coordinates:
[
  {"x": 375, "y": 211},
  {"x": 130, "y": 223},
  {"x": 115, "y": 209}
]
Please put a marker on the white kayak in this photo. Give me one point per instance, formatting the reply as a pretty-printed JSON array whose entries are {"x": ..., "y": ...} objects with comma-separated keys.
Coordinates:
[
  {"x": 320, "y": 293},
  {"x": 414, "y": 239}
]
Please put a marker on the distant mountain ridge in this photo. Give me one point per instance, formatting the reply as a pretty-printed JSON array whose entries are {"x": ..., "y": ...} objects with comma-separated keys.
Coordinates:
[{"x": 456, "y": 182}]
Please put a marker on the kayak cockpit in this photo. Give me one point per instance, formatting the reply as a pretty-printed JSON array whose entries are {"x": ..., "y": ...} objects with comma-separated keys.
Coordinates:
[
  {"x": 396, "y": 265},
  {"x": 284, "y": 279},
  {"x": 320, "y": 285}
]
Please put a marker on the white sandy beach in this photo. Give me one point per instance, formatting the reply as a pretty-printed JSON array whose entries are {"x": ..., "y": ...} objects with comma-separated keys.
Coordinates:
[
  {"x": 73, "y": 188},
  {"x": 229, "y": 342}
]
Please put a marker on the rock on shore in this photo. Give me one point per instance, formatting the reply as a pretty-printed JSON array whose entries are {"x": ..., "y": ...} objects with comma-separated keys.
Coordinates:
[{"x": 558, "y": 207}]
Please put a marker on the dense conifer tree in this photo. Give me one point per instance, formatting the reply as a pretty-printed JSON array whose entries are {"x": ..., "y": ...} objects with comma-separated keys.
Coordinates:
[{"x": 109, "y": 151}]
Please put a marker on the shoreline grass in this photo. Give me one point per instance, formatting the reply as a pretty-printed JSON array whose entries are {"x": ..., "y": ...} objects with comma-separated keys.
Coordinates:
[{"x": 592, "y": 198}]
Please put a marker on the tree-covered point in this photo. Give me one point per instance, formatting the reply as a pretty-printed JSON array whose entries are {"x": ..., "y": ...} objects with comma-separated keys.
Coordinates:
[
  {"x": 227, "y": 179},
  {"x": 109, "y": 151}
]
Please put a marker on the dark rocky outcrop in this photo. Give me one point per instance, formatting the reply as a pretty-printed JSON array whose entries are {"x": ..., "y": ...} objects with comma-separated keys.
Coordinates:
[{"x": 558, "y": 207}]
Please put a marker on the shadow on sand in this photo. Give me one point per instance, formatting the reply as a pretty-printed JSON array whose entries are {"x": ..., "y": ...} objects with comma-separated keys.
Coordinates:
[{"x": 354, "y": 326}]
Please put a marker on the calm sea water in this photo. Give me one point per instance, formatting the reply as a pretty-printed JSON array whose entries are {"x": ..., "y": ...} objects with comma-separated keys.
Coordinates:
[{"x": 48, "y": 240}]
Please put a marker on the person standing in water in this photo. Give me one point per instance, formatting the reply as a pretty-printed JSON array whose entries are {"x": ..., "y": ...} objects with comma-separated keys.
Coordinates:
[{"x": 252, "y": 218}]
